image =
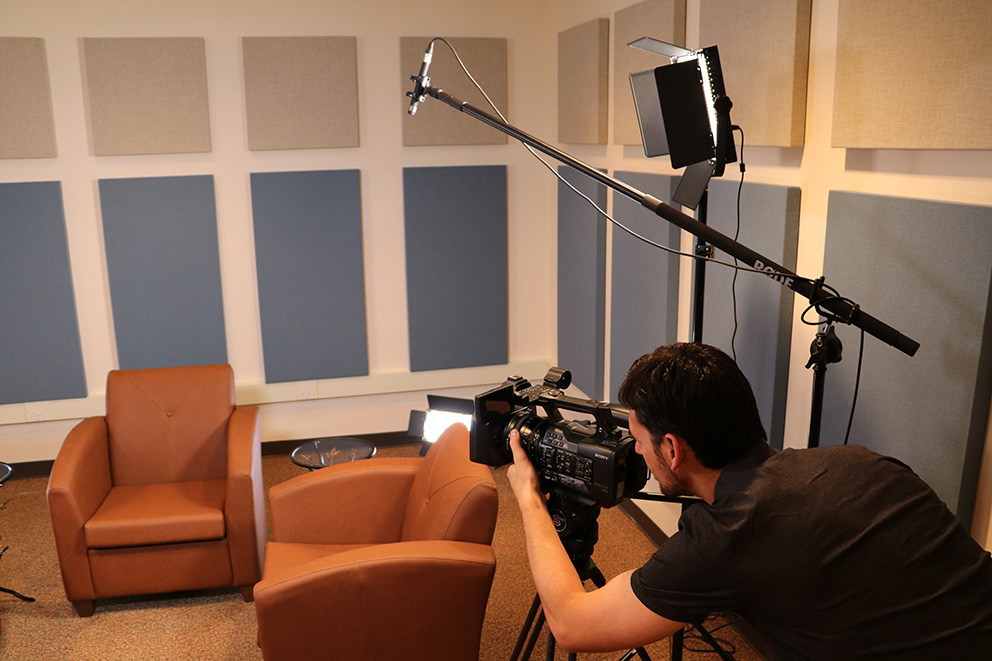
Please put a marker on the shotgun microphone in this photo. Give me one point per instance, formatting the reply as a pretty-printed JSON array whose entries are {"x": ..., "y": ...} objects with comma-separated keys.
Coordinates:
[{"x": 421, "y": 81}]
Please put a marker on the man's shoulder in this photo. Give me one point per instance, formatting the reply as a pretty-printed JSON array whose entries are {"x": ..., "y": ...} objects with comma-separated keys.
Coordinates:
[{"x": 839, "y": 458}]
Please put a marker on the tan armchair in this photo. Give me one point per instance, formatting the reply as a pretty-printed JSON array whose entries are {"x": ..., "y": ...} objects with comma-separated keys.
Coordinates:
[
  {"x": 162, "y": 494},
  {"x": 380, "y": 559}
]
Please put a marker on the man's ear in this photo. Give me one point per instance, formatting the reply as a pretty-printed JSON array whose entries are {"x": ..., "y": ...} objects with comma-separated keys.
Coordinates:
[
  {"x": 678, "y": 450},
  {"x": 667, "y": 447}
]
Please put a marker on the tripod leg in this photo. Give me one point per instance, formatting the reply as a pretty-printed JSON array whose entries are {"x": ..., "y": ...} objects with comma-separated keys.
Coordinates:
[
  {"x": 677, "y": 639},
  {"x": 534, "y": 634},
  {"x": 526, "y": 628},
  {"x": 591, "y": 571}
]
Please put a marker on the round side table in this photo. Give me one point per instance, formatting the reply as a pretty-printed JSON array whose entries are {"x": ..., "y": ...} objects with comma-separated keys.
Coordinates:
[{"x": 322, "y": 452}]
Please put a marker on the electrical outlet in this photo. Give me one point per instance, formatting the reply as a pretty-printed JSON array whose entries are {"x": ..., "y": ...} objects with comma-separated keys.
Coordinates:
[
  {"x": 36, "y": 416},
  {"x": 306, "y": 394}
]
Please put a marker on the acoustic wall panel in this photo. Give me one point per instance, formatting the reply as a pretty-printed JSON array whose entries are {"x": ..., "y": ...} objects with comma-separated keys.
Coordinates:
[
  {"x": 770, "y": 226},
  {"x": 660, "y": 19},
  {"x": 940, "y": 101},
  {"x": 764, "y": 55},
  {"x": 164, "y": 270},
  {"x": 924, "y": 268},
  {"x": 27, "y": 126},
  {"x": 644, "y": 297},
  {"x": 582, "y": 282},
  {"x": 301, "y": 92},
  {"x": 436, "y": 123},
  {"x": 40, "y": 352},
  {"x": 147, "y": 95},
  {"x": 456, "y": 270},
  {"x": 583, "y": 83},
  {"x": 311, "y": 275}
]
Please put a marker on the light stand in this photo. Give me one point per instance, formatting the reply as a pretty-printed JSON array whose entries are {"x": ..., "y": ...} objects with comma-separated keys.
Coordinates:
[{"x": 826, "y": 348}]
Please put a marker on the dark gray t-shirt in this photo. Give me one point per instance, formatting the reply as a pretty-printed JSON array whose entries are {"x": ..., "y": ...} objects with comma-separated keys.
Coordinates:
[{"x": 831, "y": 553}]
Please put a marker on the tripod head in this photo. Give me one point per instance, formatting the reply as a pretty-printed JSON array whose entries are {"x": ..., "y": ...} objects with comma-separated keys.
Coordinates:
[{"x": 576, "y": 521}]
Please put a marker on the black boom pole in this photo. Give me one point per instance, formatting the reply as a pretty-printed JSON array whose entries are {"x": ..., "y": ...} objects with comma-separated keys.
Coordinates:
[{"x": 842, "y": 308}]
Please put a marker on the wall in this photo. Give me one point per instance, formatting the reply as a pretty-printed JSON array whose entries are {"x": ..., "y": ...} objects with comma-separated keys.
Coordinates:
[{"x": 381, "y": 401}]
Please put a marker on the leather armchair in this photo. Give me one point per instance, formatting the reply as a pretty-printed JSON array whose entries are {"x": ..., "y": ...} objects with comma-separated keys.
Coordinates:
[
  {"x": 162, "y": 494},
  {"x": 380, "y": 559}
]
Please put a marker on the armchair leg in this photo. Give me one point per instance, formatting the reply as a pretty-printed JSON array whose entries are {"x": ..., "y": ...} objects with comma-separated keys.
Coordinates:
[
  {"x": 248, "y": 593},
  {"x": 84, "y": 608}
]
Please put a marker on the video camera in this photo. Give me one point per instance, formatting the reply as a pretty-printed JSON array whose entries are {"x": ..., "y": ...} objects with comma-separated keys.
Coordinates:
[{"x": 588, "y": 462}]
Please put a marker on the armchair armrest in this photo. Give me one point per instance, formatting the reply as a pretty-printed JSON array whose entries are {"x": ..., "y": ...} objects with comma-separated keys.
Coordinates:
[
  {"x": 244, "y": 507},
  {"x": 364, "y": 603},
  {"x": 361, "y": 502},
  {"x": 79, "y": 482}
]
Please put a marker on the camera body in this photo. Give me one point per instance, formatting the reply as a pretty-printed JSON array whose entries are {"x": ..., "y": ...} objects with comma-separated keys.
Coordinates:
[{"x": 589, "y": 462}]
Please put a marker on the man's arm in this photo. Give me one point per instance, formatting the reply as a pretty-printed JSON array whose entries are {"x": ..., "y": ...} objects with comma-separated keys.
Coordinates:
[{"x": 610, "y": 618}]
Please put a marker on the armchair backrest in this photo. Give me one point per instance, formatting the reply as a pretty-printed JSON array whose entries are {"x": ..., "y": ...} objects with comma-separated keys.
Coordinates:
[
  {"x": 169, "y": 424},
  {"x": 452, "y": 497}
]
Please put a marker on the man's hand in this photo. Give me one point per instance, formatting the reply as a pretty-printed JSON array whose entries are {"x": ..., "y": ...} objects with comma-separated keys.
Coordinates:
[{"x": 523, "y": 478}]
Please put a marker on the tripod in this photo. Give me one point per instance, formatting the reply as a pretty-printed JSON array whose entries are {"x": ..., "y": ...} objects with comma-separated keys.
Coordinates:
[{"x": 578, "y": 528}]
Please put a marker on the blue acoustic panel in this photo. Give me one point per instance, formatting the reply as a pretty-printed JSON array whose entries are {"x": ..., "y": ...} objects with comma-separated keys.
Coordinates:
[
  {"x": 582, "y": 282},
  {"x": 924, "y": 268},
  {"x": 644, "y": 298},
  {"x": 770, "y": 226},
  {"x": 311, "y": 275},
  {"x": 40, "y": 353},
  {"x": 456, "y": 272},
  {"x": 164, "y": 270}
]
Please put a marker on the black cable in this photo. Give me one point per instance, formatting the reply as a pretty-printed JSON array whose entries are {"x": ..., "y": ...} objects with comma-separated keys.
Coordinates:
[
  {"x": 737, "y": 233},
  {"x": 727, "y": 646},
  {"x": 857, "y": 385}
]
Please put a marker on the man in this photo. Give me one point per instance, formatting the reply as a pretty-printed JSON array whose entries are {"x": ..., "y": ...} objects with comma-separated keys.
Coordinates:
[{"x": 832, "y": 553}]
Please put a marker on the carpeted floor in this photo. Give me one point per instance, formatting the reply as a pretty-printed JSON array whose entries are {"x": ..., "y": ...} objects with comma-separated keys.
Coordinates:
[{"x": 218, "y": 624}]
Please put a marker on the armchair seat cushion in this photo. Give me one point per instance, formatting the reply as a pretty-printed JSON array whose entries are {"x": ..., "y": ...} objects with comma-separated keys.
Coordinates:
[{"x": 149, "y": 514}]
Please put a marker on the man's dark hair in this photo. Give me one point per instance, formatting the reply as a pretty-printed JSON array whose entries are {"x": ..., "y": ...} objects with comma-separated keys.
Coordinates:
[{"x": 698, "y": 393}]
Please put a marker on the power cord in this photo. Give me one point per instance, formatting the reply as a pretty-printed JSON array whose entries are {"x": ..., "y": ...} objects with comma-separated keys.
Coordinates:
[{"x": 737, "y": 233}]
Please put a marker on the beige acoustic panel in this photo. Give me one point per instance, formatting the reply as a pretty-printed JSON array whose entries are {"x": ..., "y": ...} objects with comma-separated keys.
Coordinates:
[
  {"x": 27, "y": 126},
  {"x": 764, "y": 54},
  {"x": 437, "y": 123},
  {"x": 913, "y": 75},
  {"x": 147, "y": 95},
  {"x": 301, "y": 92},
  {"x": 663, "y": 20},
  {"x": 583, "y": 83}
]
